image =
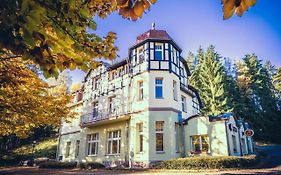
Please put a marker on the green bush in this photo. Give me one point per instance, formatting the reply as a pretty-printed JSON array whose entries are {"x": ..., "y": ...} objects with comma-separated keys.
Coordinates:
[
  {"x": 91, "y": 165},
  {"x": 206, "y": 162},
  {"x": 55, "y": 165}
]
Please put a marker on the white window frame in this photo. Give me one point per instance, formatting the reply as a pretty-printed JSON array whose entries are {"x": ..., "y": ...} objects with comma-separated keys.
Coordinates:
[
  {"x": 140, "y": 135},
  {"x": 159, "y": 131},
  {"x": 95, "y": 109},
  {"x": 159, "y": 47},
  {"x": 110, "y": 142},
  {"x": 111, "y": 104},
  {"x": 77, "y": 148},
  {"x": 67, "y": 149},
  {"x": 195, "y": 105},
  {"x": 159, "y": 85},
  {"x": 93, "y": 140},
  {"x": 200, "y": 142}
]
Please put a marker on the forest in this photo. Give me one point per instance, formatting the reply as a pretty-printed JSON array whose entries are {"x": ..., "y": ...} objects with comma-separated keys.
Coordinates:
[{"x": 249, "y": 87}]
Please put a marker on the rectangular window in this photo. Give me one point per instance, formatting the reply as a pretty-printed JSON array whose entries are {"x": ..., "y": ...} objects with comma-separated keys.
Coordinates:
[
  {"x": 114, "y": 142},
  {"x": 140, "y": 52},
  {"x": 140, "y": 90},
  {"x": 175, "y": 94},
  {"x": 234, "y": 143},
  {"x": 159, "y": 130},
  {"x": 200, "y": 143},
  {"x": 195, "y": 106},
  {"x": 93, "y": 144},
  {"x": 111, "y": 105},
  {"x": 140, "y": 137},
  {"x": 177, "y": 128},
  {"x": 158, "y": 88},
  {"x": 158, "y": 51},
  {"x": 67, "y": 150},
  {"x": 77, "y": 147},
  {"x": 183, "y": 103},
  {"x": 96, "y": 82},
  {"x": 95, "y": 110}
]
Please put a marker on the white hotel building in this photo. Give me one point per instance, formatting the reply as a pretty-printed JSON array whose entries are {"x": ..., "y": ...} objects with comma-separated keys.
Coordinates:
[{"x": 142, "y": 109}]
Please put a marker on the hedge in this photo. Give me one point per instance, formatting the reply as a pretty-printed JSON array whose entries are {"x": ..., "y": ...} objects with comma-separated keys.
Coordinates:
[
  {"x": 91, "y": 165},
  {"x": 206, "y": 162},
  {"x": 58, "y": 165}
]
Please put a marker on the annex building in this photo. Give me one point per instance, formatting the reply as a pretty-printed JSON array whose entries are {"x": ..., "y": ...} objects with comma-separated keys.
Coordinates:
[{"x": 142, "y": 109}]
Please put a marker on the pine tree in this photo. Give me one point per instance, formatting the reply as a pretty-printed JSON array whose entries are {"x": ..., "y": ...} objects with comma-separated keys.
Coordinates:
[
  {"x": 258, "y": 102},
  {"x": 277, "y": 79},
  {"x": 208, "y": 77}
]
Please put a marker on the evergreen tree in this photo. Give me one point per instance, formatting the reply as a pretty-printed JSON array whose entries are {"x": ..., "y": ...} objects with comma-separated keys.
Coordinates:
[
  {"x": 208, "y": 77},
  {"x": 230, "y": 85},
  {"x": 277, "y": 80},
  {"x": 258, "y": 102}
]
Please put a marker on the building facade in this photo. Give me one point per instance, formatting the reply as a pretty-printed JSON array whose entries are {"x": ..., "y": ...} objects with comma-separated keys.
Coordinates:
[{"x": 135, "y": 111}]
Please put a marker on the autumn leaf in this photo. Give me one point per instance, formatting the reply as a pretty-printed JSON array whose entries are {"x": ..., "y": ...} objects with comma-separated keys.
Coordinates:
[{"x": 238, "y": 6}]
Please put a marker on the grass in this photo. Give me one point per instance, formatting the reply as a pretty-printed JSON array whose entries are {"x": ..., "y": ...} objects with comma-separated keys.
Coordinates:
[{"x": 44, "y": 148}]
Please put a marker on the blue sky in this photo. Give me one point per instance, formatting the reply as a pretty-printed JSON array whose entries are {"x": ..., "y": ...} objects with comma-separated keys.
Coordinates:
[{"x": 192, "y": 23}]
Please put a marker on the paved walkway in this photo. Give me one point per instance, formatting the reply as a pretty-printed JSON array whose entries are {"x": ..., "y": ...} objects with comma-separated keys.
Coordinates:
[{"x": 269, "y": 166}]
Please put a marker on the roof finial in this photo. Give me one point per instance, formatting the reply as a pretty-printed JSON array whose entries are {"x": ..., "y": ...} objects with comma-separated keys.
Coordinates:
[{"x": 153, "y": 26}]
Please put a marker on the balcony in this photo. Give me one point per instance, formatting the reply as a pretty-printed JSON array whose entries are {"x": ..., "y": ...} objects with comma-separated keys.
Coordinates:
[{"x": 98, "y": 117}]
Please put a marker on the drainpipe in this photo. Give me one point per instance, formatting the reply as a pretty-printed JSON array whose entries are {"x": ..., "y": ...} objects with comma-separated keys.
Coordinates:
[
  {"x": 182, "y": 140},
  {"x": 239, "y": 137},
  {"x": 126, "y": 142}
]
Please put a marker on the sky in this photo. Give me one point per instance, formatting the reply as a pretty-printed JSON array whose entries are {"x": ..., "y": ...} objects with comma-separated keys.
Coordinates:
[{"x": 194, "y": 23}]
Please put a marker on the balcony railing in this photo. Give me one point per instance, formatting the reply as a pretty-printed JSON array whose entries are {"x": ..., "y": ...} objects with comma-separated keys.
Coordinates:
[{"x": 101, "y": 115}]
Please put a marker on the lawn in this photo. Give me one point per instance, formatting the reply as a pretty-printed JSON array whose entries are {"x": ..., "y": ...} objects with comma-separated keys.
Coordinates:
[{"x": 44, "y": 148}]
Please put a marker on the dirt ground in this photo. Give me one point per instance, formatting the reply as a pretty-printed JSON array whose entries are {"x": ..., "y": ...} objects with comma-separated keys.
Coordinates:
[{"x": 270, "y": 165}]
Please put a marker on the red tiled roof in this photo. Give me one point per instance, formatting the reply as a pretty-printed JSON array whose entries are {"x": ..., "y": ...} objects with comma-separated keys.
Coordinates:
[{"x": 154, "y": 34}]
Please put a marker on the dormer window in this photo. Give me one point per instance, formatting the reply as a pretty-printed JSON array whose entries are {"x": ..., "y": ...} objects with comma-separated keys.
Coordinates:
[{"x": 158, "y": 51}]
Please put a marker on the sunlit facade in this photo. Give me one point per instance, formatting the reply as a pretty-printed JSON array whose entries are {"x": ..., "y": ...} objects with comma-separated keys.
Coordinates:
[{"x": 138, "y": 110}]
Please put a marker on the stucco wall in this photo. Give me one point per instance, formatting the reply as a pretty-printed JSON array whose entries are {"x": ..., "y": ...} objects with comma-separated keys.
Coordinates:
[
  {"x": 169, "y": 118},
  {"x": 214, "y": 130}
]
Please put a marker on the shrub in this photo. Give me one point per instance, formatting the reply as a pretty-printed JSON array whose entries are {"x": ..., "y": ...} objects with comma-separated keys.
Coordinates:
[
  {"x": 206, "y": 162},
  {"x": 55, "y": 165},
  {"x": 91, "y": 165}
]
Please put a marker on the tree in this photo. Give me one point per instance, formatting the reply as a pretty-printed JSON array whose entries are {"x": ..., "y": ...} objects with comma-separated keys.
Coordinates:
[
  {"x": 277, "y": 79},
  {"x": 208, "y": 77},
  {"x": 58, "y": 35},
  {"x": 25, "y": 100},
  {"x": 258, "y": 104}
]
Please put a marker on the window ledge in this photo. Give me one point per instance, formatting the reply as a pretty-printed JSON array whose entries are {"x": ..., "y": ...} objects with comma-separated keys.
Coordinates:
[
  {"x": 117, "y": 155},
  {"x": 94, "y": 155},
  {"x": 159, "y": 98},
  {"x": 160, "y": 152},
  {"x": 140, "y": 152}
]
